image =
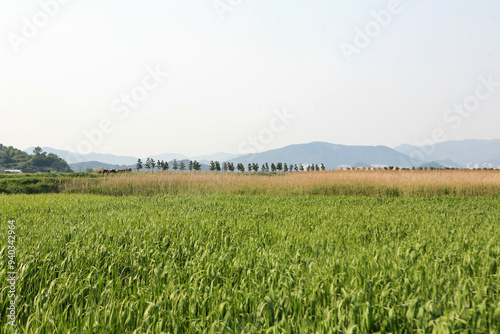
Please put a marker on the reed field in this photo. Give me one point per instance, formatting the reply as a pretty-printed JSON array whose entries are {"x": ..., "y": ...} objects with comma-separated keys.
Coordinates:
[
  {"x": 366, "y": 183},
  {"x": 202, "y": 261},
  {"x": 402, "y": 183}
]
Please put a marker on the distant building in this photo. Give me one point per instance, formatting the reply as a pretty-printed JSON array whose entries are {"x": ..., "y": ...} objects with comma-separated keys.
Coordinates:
[
  {"x": 488, "y": 165},
  {"x": 13, "y": 171},
  {"x": 344, "y": 167},
  {"x": 375, "y": 166},
  {"x": 472, "y": 165},
  {"x": 34, "y": 170}
]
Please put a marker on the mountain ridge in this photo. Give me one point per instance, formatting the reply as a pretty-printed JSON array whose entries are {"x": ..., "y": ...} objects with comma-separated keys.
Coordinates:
[
  {"x": 332, "y": 155},
  {"x": 454, "y": 154},
  {"x": 462, "y": 152}
]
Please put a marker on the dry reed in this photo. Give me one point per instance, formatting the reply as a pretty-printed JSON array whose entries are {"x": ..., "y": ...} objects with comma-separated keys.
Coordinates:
[{"x": 368, "y": 183}]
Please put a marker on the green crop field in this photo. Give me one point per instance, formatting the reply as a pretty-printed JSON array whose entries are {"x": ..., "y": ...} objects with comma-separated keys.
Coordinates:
[{"x": 222, "y": 263}]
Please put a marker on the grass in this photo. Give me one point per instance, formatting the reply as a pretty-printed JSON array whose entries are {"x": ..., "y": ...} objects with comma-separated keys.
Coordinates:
[
  {"x": 224, "y": 263},
  {"x": 38, "y": 183}
]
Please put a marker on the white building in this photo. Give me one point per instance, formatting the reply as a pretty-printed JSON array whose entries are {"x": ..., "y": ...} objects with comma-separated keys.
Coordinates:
[{"x": 379, "y": 166}]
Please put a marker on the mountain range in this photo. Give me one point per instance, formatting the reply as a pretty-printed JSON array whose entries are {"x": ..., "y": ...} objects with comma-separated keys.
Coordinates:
[
  {"x": 456, "y": 154},
  {"x": 462, "y": 153},
  {"x": 72, "y": 158},
  {"x": 332, "y": 155}
]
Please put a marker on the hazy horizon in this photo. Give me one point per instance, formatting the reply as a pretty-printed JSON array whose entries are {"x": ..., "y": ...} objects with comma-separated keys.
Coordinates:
[
  {"x": 224, "y": 152},
  {"x": 416, "y": 152},
  {"x": 175, "y": 77}
]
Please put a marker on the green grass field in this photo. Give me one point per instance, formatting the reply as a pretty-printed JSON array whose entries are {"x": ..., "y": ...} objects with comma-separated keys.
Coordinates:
[{"x": 223, "y": 263}]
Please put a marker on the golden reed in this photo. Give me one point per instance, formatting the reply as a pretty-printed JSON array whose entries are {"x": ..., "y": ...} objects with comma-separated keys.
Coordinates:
[{"x": 365, "y": 183}]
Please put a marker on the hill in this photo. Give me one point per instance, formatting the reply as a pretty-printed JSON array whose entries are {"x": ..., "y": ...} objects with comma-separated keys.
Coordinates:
[
  {"x": 220, "y": 156},
  {"x": 433, "y": 164},
  {"x": 332, "y": 155},
  {"x": 13, "y": 158},
  {"x": 463, "y": 152},
  {"x": 449, "y": 163},
  {"x": 96, "y": 165},
  {"x": 73, "y": 158},
  {"x": 109, "y": 159}
]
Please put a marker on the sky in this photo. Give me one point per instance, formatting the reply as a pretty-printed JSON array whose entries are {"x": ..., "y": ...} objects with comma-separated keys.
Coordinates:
[{"x": 198, "y": 77}]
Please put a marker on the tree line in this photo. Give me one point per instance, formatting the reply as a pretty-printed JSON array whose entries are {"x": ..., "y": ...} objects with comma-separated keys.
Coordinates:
[
  {"x": 151, "y": 164},
  {"x": 216, "y": 166}
]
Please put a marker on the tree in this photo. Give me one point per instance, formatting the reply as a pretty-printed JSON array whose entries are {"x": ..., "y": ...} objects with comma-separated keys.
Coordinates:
[
  {"x": 54, "y": 162},
  {"x": 175, "y": 165},
  {"x": 191, "y": 165},
  {"x": 212, "y": 166},
  {"x": 159, "y": 165},
  {"x": 139, "y": 164},
  {"x": 273, "y": 167},
  {"x": 37, "y": 151},
  {"x": 241, "y": 167},
  {"x": 196, "y": 165},
  {"x": 255, "y": 167},
  {"x": 250, "y": 168},
  {"x": 279, "y": 166},
  {"x": 217, "y": 166},
  {"x": 323, "y": 167},
  {"x": 165, "y": 165},
  {"x": 153, "y": 163},
  {"x": 225, "y": 166},
  {"x": 148, "y": 164},
  {"x": 89, "y": 170},
  {"x": 182, "y": 166},
  {"x": 316, "y": 167},
  {"x": 12, "y": 158}
]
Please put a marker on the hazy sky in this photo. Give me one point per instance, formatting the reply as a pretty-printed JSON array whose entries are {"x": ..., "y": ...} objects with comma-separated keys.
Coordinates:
[{"x": 346, "y": 72}]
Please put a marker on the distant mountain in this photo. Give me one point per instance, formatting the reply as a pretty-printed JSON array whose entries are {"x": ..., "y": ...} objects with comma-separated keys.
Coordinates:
[
  {"x": 449, "y": 163},
  {"x": 167, "y": 157},
  {"x": 204, "y": 167},
  {"x": 96, "y": 165},
  {"x": 220, "y": 156},
  {"x": 72, "y": 158},
  {"x": 110, "y": 159},
  {"x": 332, "y": 155},
  {"x": 463, "y": 152},
  {"x": 433, "y": 164},
  {"x": 453, "y": 154}
]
